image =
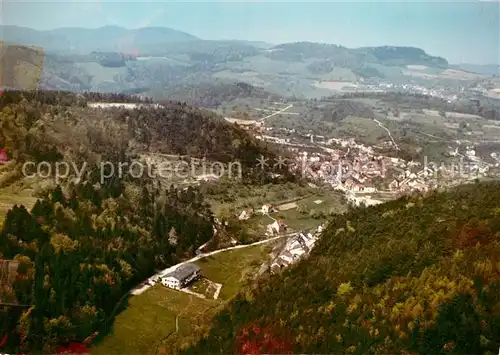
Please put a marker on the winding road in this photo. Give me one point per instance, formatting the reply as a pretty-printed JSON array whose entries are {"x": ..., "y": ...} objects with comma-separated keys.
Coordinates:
[
  {"x": 388, "y": 131},
  {"x": 142, "y": 288}
]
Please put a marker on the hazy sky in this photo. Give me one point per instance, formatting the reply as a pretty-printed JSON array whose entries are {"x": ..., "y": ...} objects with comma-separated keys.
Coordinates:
[{"x": 460, "y": 31}]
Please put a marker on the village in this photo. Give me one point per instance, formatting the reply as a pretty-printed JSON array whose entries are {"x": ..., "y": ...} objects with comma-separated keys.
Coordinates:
[
  {"x": 355, "y": 168},
  {"x": 293, "y": 248},
  {"x": 358, "y": 169}
]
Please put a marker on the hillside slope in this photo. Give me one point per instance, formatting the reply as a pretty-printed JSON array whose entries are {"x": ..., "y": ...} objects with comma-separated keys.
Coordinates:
[
  {"x": 213, "y": 94},
  {"x": 417, "y": 275},
  {"x": 347, "y": 57},
  {"x": 162, "y": 60},
  {"x": 86, "y": 242},
  {"x": 21, "y": 67},
  {"x": 64, "y": 124},
  {"x": 84, "y": 40}
]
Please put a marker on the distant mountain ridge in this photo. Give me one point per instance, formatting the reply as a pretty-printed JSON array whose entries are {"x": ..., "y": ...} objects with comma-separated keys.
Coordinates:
[
  {"x": 84, "y": 40},
  {"x": 340, "y": 56},
  {"x": 162, "y": 60},
  {"x": 114, "y": 38}
]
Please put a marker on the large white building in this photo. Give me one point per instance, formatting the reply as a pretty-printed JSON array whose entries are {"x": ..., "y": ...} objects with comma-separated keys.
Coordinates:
[{"x": 181, "y": 277}]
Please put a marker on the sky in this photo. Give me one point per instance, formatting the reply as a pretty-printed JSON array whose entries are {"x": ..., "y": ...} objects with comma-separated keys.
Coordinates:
[{"x": 461, "y": 31}]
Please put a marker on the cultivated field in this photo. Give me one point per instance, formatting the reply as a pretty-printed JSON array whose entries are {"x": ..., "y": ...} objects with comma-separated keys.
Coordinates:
[
  {"x": 307, "y": 213},
  {"x": 150, "y": 319},
  {"x": 332, "y": 85},
  {"x": 162, "y": 319},
  {"x": 453, "y": 74}
]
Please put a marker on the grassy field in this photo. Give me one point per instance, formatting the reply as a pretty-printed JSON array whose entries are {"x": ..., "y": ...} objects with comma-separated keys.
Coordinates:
[
  {"x": 148, "y": 325},
  {"x": 15, "y": 190},
  {"x": 232, "y": 269},
  {"x": 235, "y": 197},
  {"x": 204, "y": 287},
  {"x": 363, "y": 129},
  {"x": 308, "y": 214},
  {"x": 151, "y": 318}
]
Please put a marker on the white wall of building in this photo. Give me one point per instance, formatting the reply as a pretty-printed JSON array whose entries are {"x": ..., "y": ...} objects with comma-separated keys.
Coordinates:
[{"x": 170, "y": 282}]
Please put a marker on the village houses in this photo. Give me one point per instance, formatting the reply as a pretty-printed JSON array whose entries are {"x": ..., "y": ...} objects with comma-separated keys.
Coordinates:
[{"x": 278, "y": 226}]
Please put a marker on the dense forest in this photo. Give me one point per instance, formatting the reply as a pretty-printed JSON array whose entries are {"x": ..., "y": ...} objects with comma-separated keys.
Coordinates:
[
  {"x": 85, "y": 244},
  {"x": 82, "y": 249},
  {"x": 214, "y": 94},
  {"x": 35, "y": 122},
  {"x": 344, "y": 108},
  {"x": 355, "y": 57},
  {"x": 418, "y": 275}
]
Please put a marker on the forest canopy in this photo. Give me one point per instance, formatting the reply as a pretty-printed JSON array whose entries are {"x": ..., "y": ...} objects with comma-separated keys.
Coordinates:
[
  {"x": 418, "y": 275},
  {"x": 83, "y": 246}
]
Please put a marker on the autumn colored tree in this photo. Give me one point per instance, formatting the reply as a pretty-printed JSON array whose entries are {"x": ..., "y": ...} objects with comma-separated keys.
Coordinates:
[{"x": 254, "y": 340}]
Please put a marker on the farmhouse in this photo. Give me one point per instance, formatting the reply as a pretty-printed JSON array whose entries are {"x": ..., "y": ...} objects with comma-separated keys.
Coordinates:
[
  {"x": 181, "y": 276},
  {"x": 277, "y": 227},
  {"x": 245, "y": 214},
  {"x": 265, "y": 209}
]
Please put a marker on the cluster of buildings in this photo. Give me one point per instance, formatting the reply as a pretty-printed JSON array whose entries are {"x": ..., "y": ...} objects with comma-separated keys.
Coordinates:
[
  {"x": 445, "y": 93},
  {"x": 358, "y": 170},
  {"x": 295, "y": 249},
  {"x": 424, "y": 177},
  {"x": 264, "y": 210},
  {"x": 277, "y": 227},
  {"x": 413, "y": 182},
  {"x": 352, "y": 168}
]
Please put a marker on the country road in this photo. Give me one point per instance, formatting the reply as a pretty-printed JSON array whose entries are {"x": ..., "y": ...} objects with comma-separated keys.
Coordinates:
[
  {"x": 388, "y": 131},
  {"x": 142, "y": 288},
  {"x": 276, "y": 113}
]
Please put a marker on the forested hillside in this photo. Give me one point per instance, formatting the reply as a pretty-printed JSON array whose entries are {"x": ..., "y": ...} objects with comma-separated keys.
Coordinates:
[
  {"x": 82, "y": 249},
  {"x": 213, "y": 95},
  {"x": 53, "y": 125},
  {"x": 85, "y": 244},
  {"x": 418, "y": 275},
  {"x": 346, "y": 57}
]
